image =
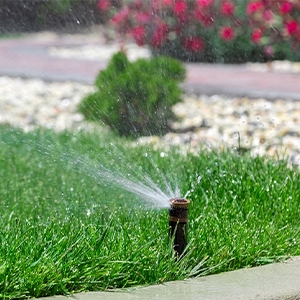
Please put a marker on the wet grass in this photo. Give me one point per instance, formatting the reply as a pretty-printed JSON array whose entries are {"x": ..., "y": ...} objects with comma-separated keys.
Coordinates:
[{"x": 63, "y": 229}]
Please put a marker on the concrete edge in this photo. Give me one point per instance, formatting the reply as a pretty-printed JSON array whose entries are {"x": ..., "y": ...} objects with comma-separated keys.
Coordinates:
[{"x": 277, "y": 281}]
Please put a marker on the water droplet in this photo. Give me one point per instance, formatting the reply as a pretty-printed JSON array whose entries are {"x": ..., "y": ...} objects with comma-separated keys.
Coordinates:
[
  {"x": 199, "y": 178},
  {"x": 187, "y": 194},
  {"x": 163, "y": 154},
  {"x": 71, "y": 189}
]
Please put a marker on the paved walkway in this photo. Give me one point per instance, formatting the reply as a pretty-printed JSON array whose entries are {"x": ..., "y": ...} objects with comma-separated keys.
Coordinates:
[{"x": 28, "y": 57}]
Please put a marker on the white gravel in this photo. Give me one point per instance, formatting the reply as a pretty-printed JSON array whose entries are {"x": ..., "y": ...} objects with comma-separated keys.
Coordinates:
[
  {"x": 33, "y": 102},
  {"x": 267, "y": 127}
]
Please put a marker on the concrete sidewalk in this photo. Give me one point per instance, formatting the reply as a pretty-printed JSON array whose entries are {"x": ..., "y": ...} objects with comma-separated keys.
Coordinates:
[
  {"x": 29, "y": 57},
  {"x": 279, "y": 281}
]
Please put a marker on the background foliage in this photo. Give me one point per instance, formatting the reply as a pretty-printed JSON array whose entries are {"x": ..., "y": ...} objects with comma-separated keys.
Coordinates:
[
  {"x": 36, "y": 15},
  {"x": 230, "y": 31}
]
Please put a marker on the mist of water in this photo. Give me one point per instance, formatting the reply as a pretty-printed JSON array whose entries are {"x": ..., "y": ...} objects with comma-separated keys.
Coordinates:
[
  {"x": 142, "y": 186},
  {"x": 132, "y": 179}
]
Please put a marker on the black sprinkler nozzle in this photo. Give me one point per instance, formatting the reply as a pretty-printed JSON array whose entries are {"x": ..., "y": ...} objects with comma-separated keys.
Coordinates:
[{"x": 178, "y": 218}]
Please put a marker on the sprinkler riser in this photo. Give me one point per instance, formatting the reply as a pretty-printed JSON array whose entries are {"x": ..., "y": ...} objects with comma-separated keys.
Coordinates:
[{"x": 178, "y": 218}]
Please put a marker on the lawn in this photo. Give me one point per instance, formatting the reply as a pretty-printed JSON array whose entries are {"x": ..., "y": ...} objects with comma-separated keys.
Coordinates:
[{"x": 68, "y": 226}]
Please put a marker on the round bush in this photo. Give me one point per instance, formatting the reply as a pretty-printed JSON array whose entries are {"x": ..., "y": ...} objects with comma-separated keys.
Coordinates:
[{"x": 135, "y": 98}]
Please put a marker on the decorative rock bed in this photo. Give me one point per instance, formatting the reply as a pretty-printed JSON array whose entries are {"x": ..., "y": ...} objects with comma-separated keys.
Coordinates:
[{"x": 265, "y": 127}]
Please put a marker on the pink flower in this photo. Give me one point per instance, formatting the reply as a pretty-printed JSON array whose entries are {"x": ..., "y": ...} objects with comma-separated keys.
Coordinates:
[
  {"x": 204, "y": 3},
  {"x": 139, "y": 34},
  {"x": 291, "y": 27},
  {"x": 286, "y": 7},
  {"x": 121, "y": 16},
  {"x": 103, "y": 5},
  {"x": 256, "y": 35},
  {"x": 206, "y": 20},
  {"x": 159, "y": 35},
  {"x": 180, "y": 9},
  {"x": 194, "y": 44},
  {"x": 142, "y": 17},
  {"x": 268, "y": 15},
  {"x": 253, "y": 7},
  {"x": 227, "y": 8},
  {"x": 227, "y": 33}
]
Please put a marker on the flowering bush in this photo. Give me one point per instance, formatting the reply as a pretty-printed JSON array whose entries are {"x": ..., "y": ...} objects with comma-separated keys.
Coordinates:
[
  {"x": 275, "y": 23},
  {"x": 210, "y": 30}
]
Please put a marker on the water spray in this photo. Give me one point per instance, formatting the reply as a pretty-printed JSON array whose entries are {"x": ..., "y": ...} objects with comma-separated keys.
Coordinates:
[{"x": 178, "y": 218}]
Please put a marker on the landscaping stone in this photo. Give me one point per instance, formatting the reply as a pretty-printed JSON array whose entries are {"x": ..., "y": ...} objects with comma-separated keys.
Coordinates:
[{"x": 261, "y": 126}]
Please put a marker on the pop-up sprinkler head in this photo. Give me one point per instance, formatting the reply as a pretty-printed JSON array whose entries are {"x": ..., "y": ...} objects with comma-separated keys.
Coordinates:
[{"x": 178, "y": 218}]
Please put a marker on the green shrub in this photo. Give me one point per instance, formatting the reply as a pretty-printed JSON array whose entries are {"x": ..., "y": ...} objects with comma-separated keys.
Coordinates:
[{"x": 135, "y": 98}]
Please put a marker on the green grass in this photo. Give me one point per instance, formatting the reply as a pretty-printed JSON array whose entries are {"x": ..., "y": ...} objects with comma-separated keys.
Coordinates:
[{"x": 64, "y": 229}]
